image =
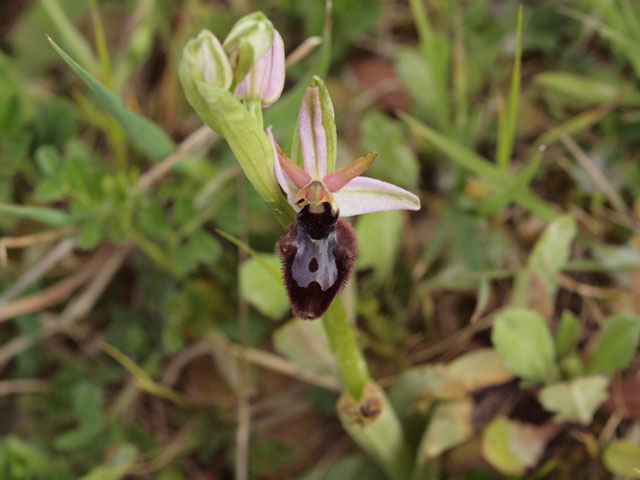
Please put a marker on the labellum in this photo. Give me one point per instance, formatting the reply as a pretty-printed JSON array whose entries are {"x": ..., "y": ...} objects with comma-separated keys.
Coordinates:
[{"x": 318, "y": 252}]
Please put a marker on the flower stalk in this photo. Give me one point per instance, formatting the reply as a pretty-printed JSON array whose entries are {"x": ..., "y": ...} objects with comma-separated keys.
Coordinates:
[{"x": 352, "y": 365}]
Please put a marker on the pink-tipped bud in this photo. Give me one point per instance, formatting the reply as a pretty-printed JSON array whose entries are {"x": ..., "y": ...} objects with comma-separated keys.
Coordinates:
[{"x": 265, "y": 80}]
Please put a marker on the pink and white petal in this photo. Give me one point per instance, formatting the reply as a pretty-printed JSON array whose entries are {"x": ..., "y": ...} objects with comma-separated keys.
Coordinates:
[
  {"x": 313, "y": 138},
  {"x": 285, "y": 182},
  {"x": 367, "y": 195},
  {"x": 274, "y": 80}
]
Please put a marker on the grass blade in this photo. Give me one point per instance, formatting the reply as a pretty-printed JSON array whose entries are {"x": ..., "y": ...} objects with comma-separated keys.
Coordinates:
[
  {"x": 142, "y": 132},
  {"x": 506, "y": 137},
  {"x": 48, "y": 216}
]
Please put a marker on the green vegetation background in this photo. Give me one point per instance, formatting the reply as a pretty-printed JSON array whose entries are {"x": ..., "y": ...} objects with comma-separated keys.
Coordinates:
[{"x": 120, "y": 290}]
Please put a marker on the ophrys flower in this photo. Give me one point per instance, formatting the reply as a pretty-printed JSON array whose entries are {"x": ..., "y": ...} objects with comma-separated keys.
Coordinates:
[{"x": 318, "y": 250}]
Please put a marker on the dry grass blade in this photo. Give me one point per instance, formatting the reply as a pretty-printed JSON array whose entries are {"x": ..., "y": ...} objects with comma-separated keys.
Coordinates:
[
  {"x": 37, "y": 271},
  {"x": 22, "y": 385},
  {"x": 52, "y": 295},
  {"x": 33, "y": 239},
  {"x": 201, "y": 139},
  {"x": 596, "y": 175}
]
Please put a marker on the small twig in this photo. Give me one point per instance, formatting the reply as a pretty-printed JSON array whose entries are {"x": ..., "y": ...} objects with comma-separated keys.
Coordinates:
[
  {"x": 596, "y": 175},
  {"x": 53, "y": 295},
  {"x": 178, "y": 446},
  {"x": 199, "y": 139},
  {"x": 32, "y": 239},
  {"x": 585, "y": 290},
  {"x": 283, "y": 366},
  {"x": 23, "y": 385},
  {"x": 303, "y": 50},
  {"x": 38, "y": 270},
  {"x": 460, "y": 336},
  {"x": 83, "y": 303},
  {"x": 243, "y": 414}
]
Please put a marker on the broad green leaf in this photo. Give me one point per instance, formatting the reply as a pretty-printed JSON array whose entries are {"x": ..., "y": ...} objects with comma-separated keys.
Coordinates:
[
  {"x": 551, "y": 252},
  {"x": 306, "y": 345},
  {"x": 523, "y": 341},
  {"x": 142, "y": 132},
  {"x": 379, "y": 237},
  {"x": 117, "y": 465},
  {"x": 396, "y": 162},
  {"x": 575, "y": 401},
  {"x": 91, "y": 232},
  {"x": 449, "y": 425},
  {"x": 153, "y": 221},
  {"x": 418, "y": 387},
  {"x": 617, "y": 344},
  {"x": 346, "y": 467},
  {"x": 622, "y": 458},
  {"x": 261, "y": 288},
  {"x": 512, "y": 447},
  {"x": 88, "y": 409},
  {"x": 49, "y": 216},
  {"x": 567, "y": 334}
]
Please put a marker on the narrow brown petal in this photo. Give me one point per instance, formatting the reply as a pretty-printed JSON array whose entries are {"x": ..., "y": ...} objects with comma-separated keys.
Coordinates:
[
  {"x": 338, "y": 179},
  {"x": 297, "y": 175}
]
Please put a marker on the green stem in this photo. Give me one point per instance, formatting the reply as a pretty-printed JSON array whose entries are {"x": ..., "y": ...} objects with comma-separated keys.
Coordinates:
[
  {"x": 255, "y": 109},
  {"x": 344, "y": 345}
]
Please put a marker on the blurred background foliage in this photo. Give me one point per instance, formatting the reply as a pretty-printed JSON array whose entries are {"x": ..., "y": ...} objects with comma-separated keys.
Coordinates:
[{"x": 121, "y": 285}]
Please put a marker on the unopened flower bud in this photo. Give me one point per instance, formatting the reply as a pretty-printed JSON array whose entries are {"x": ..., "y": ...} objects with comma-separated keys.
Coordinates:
[
  {"x": 248, "y": 41},
  {"x": 204, "y": 59},
  {"x": 265, "y": 80}
]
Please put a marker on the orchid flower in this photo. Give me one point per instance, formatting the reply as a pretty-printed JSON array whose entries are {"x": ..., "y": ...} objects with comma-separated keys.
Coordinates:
[
  {"x": 354, "y": 194},
  {"x": 318, "y": 251}
]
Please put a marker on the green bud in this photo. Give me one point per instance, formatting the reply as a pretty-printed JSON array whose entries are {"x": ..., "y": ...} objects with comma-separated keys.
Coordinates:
[
  {"x": 203, "y": 61},
  {"x": 248, "y": 41}
]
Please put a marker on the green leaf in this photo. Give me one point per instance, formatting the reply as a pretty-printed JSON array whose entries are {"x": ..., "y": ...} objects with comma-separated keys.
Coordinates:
[
  {"x": 575, "y": 401},
  {"x": 450, "y": 425},
  {"x": 153, "y": 221},
  {"x": 523, "y": 341},
  {"x": 622, "y": 458},
  {"x": 378, "y": 247},
  {"x": 49, "y": 216},
  {"x": 88, "y": 409},
  {"x": 297, "y": 339},
  {"x": 501, "y": 197},
  {"x": 261, "y": 288},
  {"x": 474, "y": 163},
  {"x": 117, "y": 465},
  {"x": 567, "y": 334},
  {"x": 145, "y": 134},
  {"x": 70, "y": 34},
  {"x": 91, "y": 233},
  {"x": 396, "y": 163},
  {"x": 617, "y": 344},
  {"x": 585, "y": 90},
  {"x": 551, "y": 252},
  {"x": 507, "y": 134},
  {"x": 512, "y": 447}
]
